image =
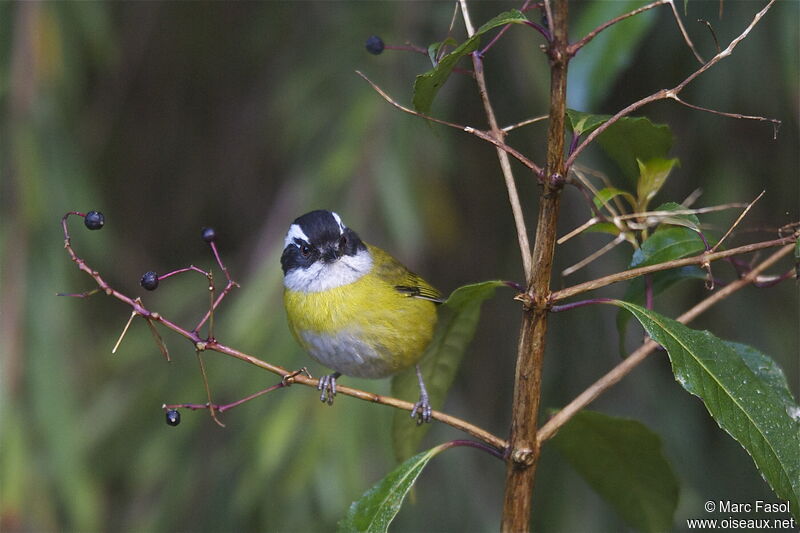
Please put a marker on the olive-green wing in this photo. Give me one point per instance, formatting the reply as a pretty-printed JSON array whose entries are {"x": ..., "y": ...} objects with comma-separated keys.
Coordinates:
[{"x": 405, "y": 281}]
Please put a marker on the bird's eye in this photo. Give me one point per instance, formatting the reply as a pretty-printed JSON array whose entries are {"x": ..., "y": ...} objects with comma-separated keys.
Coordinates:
[
  {"x": 305, "y": 250},
  {"x": 342, "y": 242}
]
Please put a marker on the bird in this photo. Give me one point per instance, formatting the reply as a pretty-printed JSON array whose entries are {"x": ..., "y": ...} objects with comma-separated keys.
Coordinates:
[{"x": 353, "y": 307}]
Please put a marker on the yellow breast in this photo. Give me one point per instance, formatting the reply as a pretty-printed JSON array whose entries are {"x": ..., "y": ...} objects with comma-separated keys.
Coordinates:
[{"x": 366, "y": 328}]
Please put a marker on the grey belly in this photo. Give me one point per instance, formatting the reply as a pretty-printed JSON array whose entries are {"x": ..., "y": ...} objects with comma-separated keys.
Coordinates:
[{"x": 345, "y": 352}]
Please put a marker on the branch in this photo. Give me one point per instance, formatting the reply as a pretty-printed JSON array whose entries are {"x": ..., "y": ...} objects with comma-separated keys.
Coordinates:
[
  {"x": 505, "y": 165},
  {"x": 701, "y": 259},
  {"x": 664, "y": 94},
  {"x": 574, "y": 47},
  {"x": 200, "y": 344},
  {"x": 632, "y": 361},
  {"x": 467, "y": 129}
]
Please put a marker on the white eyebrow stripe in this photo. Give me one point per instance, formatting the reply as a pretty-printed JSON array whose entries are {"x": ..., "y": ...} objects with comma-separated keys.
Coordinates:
[
  {"x": 295, "y": 232},
  {"x": 338, "y": 220}
]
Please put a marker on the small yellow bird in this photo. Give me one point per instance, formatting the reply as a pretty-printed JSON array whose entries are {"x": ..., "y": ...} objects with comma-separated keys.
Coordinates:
[{"x": 353, "y": 307}]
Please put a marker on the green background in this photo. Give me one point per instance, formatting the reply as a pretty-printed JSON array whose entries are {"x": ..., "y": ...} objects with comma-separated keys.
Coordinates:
[{"x": 169, "y": 117}]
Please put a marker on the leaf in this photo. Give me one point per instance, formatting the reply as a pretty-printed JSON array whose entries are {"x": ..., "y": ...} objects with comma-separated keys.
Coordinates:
[
  {"x": 603, "y": 196},
  {"x": 377, "y": 507},
  {"x": 583, "y": 123},
  {"x": 458, "y": 318},
  {"x": 603, "y": 227},
  {"x": 601, "y": 63},
  {"x": 665, "y": 244},
  {"x": 661, "y": 282},
  {"x": 623, "y": 462},
  {"x": 434, "y": 48},
  {"x": 749, "y": 405},
  {"x": 653, "y": 173},
  {"x": 768, "y": 370},
  {"x": 633, "y": 138},
  {"x": 427, "y": 85}
]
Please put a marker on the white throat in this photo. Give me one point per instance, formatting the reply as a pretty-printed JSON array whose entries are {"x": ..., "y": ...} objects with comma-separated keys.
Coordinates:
[{"x": 322, "y": 276}]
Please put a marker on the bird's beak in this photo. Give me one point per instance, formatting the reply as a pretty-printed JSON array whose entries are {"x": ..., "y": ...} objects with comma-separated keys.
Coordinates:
[{"x": 330, "y": 254}]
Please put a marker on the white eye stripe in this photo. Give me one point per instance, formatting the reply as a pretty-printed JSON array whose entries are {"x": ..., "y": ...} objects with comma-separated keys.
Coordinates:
[
  {"x": 295, "y": 232},
  {"x": 338, "y": 220}
]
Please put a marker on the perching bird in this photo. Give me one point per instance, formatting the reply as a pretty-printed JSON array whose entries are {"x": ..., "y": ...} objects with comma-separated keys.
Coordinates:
[{"x": 353, "y": 307}]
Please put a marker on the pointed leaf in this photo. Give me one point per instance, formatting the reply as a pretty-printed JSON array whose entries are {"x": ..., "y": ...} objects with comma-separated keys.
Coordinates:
[
  {"x": 376, "y": 509},
  {"x": 750, "y": 406},
  {"x": 633, "y": 138},
  {"x": 768, "y": 370},
  {"x": 665, "y": 244},
  {"x": 653, "y": 173},
  {"x": 427, "y": 85},
  {"x": 604, "y": 196},
  {"x": 434, "y": 48},
  {"x": 661, "y": 282},
  {"x": 583, "y": 123},
  {"x": 458, "y": 318},
  {"x": 603, "y": 227},
  {"x": 623, "y": 462}
]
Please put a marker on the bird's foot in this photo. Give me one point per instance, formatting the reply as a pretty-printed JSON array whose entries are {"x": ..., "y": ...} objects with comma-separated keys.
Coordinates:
[
  {"x": 422, "y": 409},
  {"x": 327, "y": 384}
]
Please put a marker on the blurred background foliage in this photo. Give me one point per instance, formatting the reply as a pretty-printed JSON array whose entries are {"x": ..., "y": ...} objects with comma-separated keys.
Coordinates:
[{"x": 169, "y": 117}]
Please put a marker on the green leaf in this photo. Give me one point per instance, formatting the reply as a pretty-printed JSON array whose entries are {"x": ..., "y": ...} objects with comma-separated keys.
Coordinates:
[
  {"x": 768, "y": 370},
  {"x": 377, "y": 507},
  {"x": 603, "y": 227},
  {"x": 603, "y": 196},
  {"x": 434, "y": 48},
  {"x": 598, "y": 65},
  {"x": 662, "y": 281},
  {"x": 653, "y": 173},
  {"x": 687, "y": 220},
  {"x": 583, "y": 123},
  {"x": 750, "y": 405},
  {"x": 665, "y": 244},
  {"x": 623, "y": 462},
  {"x": 633, "y": 138},
  {"x": 427, "y": 85},
  {"x": 458, "y": 318}
]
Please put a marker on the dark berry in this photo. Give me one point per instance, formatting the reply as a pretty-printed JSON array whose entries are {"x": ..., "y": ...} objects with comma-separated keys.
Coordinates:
[
  {"x": 173, "y": 417},
  {"x": 209, "y": 235},
  {"x": 374, "y": 45},
  {"x": 94, "y": 220},
  {"x": 149, "y": 281}
]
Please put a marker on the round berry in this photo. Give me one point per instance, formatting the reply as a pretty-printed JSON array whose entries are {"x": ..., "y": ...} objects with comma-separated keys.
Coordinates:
[
  {"x": 173, "y": 417},
  {"x": 209, "y": 235},
  {"x": 149, "y": 281},
  {"x": 94, "y": 220},
  {"x": 374, "y": 45}
]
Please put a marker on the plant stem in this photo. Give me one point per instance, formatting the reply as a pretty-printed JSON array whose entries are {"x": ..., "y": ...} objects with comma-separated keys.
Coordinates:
[{"x": 524, "y": 450}]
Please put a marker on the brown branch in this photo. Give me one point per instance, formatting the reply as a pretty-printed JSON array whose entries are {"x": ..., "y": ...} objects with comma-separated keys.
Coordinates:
[
  {"x": 574, "y": 47},
  {"x": 664, "y": 94},
  {"x": 466, "y": 129},
  {"x": 632, "y": 361},
  {"x": 641, "y": 271},
  {"x": 201, "y": 344},
  {"x": 505, "y": 165}
]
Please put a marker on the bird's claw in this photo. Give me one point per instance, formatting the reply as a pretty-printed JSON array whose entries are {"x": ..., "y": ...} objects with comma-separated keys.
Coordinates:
[
  {"x": 327, "y": 384},
  {"x": 422, "y": 410}
]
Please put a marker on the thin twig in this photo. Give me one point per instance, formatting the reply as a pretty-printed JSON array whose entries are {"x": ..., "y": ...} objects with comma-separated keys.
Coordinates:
[
  {"x": 505, "y": 164},
  {"x": 775, "y": 122},
  {"x": 574, "y": 47},
  {"x": 685, "y": 35},
  {"x": 641, "y": 271},
  {"x": 664, "y": 94},
  {"x": 466, "y": 129},
  {"x": 205, "y": 344},
  {"x": 124, "y": 331},
  {"x": 736, "y": 223},
  {"x": 632, "y": 361},
  {"x": 525, "y": 123}
]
